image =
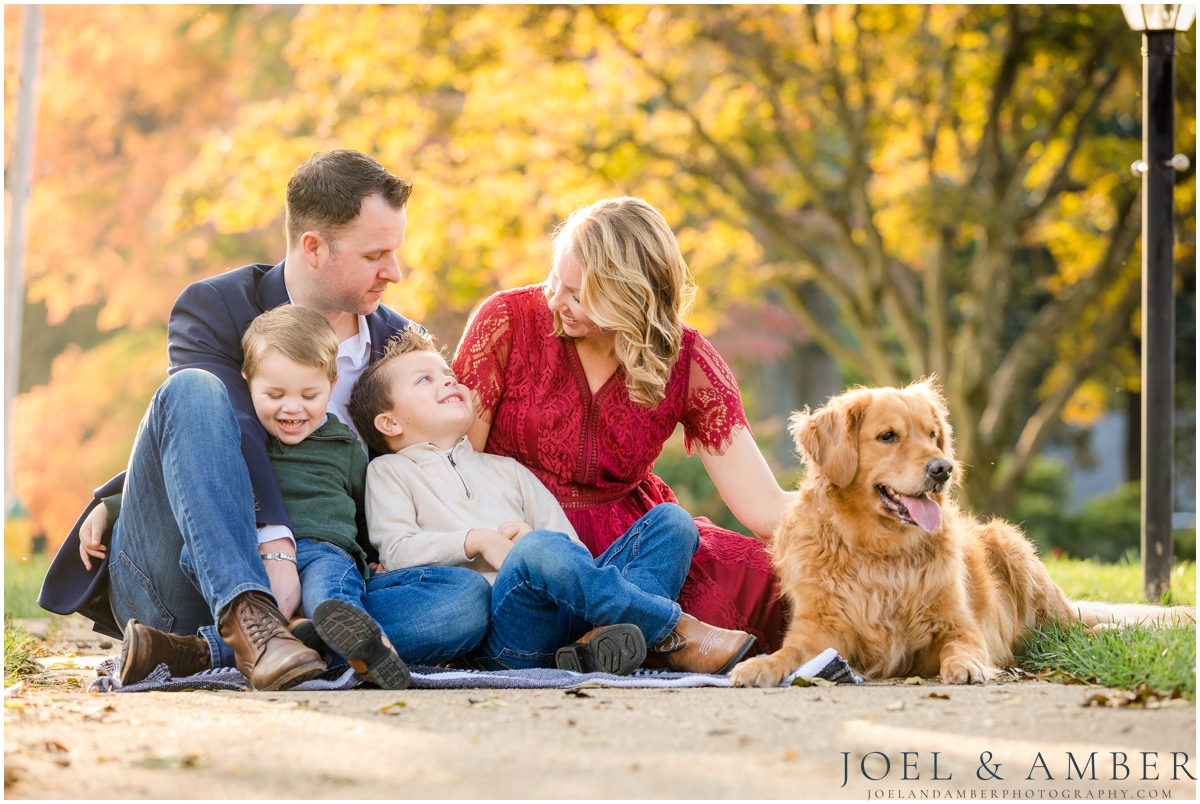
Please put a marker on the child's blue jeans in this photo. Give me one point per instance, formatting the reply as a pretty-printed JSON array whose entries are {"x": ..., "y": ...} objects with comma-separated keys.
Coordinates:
[
  {"x": 550, "y": 591},
  {"x": 452, "y": 601}
]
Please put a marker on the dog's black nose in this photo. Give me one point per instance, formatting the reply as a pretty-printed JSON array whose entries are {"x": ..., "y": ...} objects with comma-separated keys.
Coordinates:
[{"x": 939, "y": 469}]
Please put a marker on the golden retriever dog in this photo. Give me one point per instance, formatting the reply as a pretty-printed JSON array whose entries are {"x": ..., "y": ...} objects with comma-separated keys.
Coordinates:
[{"x": 877, "y": 561}]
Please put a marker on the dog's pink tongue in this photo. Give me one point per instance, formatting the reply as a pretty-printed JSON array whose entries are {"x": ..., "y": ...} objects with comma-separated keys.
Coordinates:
[{"x": 925, "y": 512}]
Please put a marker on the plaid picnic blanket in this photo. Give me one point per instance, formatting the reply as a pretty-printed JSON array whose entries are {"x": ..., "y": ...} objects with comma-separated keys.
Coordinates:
[{"x": 829, "y": 666}]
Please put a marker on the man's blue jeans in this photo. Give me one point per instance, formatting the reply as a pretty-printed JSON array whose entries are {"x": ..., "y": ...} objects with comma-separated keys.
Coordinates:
[
  {"x": 186, "y": 542},
  {"x": 550, "y": 591}
]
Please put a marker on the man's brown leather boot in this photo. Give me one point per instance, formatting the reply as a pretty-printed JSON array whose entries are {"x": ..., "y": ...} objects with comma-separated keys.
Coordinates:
[
  {"x": 267, "y": 655},
  {"x": 145, "y": 648},
  {"x": 696, "y": 647}
]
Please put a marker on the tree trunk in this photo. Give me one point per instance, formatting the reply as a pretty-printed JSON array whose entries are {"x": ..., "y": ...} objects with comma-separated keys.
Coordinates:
[{"x": 20, "y": 179}]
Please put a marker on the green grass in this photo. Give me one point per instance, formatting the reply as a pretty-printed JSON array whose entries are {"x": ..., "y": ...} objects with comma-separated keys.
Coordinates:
[
  {"x": 19, "y": 651},
  {"x": 22, "y": 581},
  {"x": 1117, "y": 583},
  {"x": 1162, "y": 658}
]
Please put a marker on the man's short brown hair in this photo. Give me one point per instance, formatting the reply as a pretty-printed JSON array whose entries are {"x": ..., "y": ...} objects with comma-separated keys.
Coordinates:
[
  {"x": 302, "y": 335},
  {"x": 327, "y": 191},
  {"x": 372, "y": 394}
]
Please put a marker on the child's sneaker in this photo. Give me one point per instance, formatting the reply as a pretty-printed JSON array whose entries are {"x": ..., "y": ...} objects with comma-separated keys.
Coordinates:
[
  {"x": 350, "y": 631},
  {"x": 303, "y": 629}
]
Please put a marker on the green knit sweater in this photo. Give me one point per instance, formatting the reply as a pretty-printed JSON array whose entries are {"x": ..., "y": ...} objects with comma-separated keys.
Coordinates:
[{"x": 323, "y": 479}]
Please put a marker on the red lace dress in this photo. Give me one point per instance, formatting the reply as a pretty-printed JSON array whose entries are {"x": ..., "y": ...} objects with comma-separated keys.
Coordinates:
[{"x": 596, "y": 452}]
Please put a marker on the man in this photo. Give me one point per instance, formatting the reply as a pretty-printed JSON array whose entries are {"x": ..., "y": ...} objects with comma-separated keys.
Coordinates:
[{"x": 201, "y": 544}]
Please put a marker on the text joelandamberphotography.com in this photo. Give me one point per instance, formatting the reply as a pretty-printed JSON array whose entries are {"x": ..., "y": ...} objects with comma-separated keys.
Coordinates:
[{"x": 1037, "y": 794}]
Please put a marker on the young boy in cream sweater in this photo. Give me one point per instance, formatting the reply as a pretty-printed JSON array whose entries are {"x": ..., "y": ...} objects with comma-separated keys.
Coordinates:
[{"x": 431, "y": 499}]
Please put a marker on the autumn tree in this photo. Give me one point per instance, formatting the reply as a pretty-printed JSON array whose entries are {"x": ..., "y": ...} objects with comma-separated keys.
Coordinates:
[
  {"x": 954, "y": 178},
  {"x": 127, "y": 96}
]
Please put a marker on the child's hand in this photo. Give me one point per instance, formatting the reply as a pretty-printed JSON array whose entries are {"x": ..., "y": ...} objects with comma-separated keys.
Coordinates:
[
  {"x": 90, "y": 534},
  {"x": 490, "y": 544},
  {"x": 514, "y": 530}
]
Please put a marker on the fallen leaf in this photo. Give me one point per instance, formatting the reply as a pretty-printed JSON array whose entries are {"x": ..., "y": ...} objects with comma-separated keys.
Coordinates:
[
  {"x": 1141, "y": 696},
  {"x": 576, "y": 693},
  {"x": 1058, "y": 677},
  {"x": 61, "y": 754},
  {"x": 939, "y": 696},
  {"x": 394, "y": 705},
  {"x": 168, "y": 763},
  {"x": 895, "y": 706},
  {"x": 911, "y": 680},
  {"x": 492, "y": 702},
  {"x": 811, "y": 681}
]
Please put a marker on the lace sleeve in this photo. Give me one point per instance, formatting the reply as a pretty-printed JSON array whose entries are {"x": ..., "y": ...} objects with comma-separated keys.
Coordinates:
[
  {"x": 713, "y": 408},
  {"x": 482, "y": 355}
]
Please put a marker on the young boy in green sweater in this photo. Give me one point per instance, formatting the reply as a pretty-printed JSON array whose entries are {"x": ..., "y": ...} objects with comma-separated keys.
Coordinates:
[{"x": 290, "y": 366}]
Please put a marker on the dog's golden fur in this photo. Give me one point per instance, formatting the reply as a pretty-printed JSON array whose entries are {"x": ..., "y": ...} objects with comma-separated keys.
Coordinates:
[{"x": 894, "y": 597}]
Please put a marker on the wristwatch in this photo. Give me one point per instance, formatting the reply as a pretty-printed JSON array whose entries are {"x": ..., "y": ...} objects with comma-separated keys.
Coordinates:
[{"x": 277, "y": 557}]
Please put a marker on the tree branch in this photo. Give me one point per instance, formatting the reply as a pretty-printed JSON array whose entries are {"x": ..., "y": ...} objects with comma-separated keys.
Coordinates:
[
  {"x": 1083, "y": 125},
  {"x": 936, "y": 305},
  {"x": 1040, "y": 426},
  {"x": 989, "y": 162},
  {"x": 1025, "y": 354},
  {"x": 816, "y": 330}
]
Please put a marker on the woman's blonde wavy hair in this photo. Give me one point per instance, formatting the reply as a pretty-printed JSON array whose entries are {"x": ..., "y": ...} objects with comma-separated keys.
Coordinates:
[{"x": 635, "y": 283}]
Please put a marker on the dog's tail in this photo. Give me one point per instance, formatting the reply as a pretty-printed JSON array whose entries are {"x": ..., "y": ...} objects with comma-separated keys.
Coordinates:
[{"x": 1099, "y": 616}]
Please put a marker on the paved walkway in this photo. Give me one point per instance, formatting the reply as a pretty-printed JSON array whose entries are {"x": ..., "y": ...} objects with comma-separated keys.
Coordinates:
[{"x": 597, "y": 743}]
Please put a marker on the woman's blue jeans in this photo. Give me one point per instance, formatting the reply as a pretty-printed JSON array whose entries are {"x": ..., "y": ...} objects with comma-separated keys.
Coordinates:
[
  {"x": 550, "y": 591},
  {"x": 186, "y": 542}
]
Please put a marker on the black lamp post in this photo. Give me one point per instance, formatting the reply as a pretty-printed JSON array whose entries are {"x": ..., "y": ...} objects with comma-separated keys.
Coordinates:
[{"x": 1157, "y": 168}]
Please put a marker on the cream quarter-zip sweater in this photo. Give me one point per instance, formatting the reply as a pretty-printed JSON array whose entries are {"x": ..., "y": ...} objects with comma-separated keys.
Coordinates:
[{"x": 422, "y": 500}]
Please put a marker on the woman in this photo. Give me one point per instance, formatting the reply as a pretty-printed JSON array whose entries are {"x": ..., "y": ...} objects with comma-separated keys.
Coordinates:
[{"x": 585, "y": 378}]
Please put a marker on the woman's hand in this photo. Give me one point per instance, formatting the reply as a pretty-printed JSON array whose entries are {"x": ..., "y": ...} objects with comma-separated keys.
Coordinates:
[
  {"x": 747, "y": 485},
  {"x": 90, "y": 534},
  {"x": 490, "y": 544},
  {"x": 480, "y": 427}
]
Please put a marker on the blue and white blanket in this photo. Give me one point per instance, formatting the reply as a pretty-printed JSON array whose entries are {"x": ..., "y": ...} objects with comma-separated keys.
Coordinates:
[{"x": 829, "y": 666}]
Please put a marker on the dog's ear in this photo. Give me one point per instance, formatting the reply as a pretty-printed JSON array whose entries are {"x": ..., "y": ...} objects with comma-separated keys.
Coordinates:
[{"x": 828, "y": 438}]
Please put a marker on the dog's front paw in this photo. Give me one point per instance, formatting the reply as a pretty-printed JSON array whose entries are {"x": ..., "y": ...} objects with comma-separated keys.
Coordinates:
[
  {"x": 764, "y": 671},
  {"x": 964, "y": 670}
]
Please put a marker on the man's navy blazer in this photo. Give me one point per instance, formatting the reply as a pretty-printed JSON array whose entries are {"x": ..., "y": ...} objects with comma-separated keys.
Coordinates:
[{"x": 204, "y": 332}]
